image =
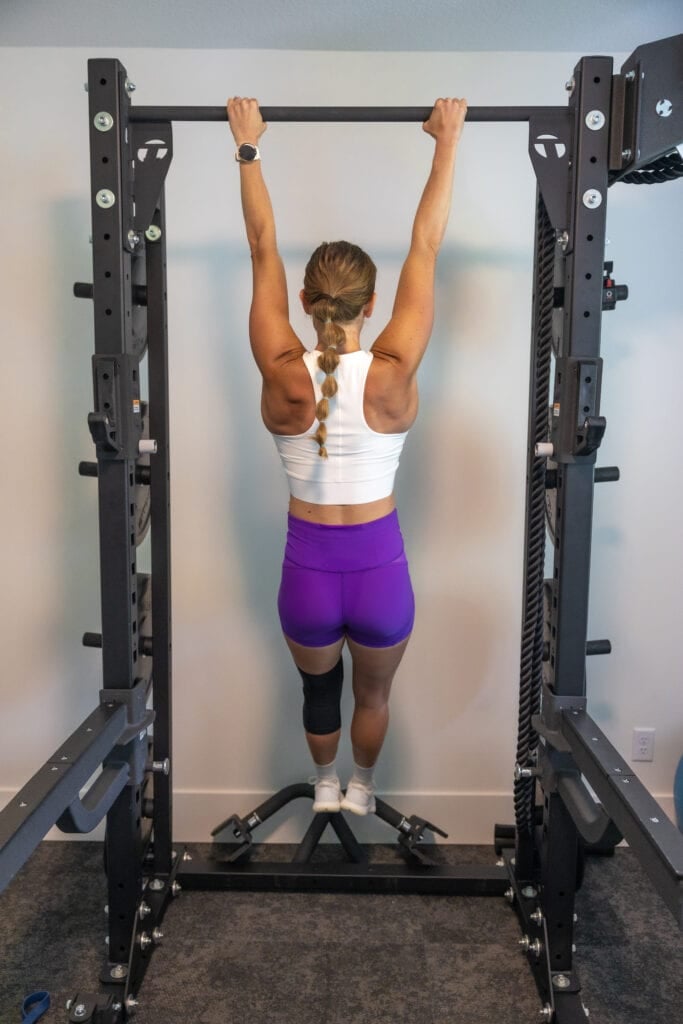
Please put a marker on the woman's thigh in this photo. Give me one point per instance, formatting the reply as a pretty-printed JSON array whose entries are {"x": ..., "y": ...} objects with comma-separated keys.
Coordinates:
[
  {"x": 315, "y": 660},
  {"x": 373, "y": 670}
]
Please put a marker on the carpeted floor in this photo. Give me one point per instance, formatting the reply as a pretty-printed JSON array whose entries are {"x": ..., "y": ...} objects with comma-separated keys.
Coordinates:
[{"x": 339, "y": 959}]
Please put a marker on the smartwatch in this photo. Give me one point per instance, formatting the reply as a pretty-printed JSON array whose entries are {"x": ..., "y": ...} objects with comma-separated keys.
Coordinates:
[{"x": 247, "y": 153}]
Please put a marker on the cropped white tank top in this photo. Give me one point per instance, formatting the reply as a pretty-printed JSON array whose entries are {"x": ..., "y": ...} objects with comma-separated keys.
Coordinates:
[{"x": 361, "y": 463}]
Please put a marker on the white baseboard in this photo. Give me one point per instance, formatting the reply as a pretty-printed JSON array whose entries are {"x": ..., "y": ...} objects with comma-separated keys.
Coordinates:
[{"x": 468, "y": 818}]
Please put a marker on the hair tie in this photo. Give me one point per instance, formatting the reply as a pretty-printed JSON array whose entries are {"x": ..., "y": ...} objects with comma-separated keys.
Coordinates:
[
  {"x": 333, "y": 346},
  {"x": 328, "y": 321}
]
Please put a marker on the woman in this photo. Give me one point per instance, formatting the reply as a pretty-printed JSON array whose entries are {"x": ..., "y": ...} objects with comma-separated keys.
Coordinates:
[{"x": 339, "y": 416}]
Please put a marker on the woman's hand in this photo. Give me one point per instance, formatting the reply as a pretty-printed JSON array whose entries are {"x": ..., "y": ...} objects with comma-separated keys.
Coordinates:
[
  {"x": 246, "y": 123},
  {"x": 446, "y": 120}
]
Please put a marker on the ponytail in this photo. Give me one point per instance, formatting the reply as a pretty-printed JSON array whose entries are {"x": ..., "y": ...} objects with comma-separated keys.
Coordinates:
[
  {"x": 331, "y": 336},
  {"x": 339, "y": 281}
]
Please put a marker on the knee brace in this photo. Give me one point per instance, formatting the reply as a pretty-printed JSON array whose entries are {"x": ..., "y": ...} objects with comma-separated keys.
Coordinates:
[{"x": 322, "y": 696}]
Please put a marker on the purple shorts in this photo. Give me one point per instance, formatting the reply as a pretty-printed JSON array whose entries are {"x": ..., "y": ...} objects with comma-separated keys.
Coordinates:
[{"x": 346, "y": 581}]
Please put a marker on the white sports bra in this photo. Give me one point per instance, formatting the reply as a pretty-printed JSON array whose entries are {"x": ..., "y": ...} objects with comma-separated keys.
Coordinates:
[{"x": 361, "y": 463}]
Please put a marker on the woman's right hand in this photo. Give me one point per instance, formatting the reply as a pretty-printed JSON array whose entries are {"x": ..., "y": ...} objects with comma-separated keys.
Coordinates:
[
  {"x": 446, "y": 120},
  {"x": 245, "y": 119}
]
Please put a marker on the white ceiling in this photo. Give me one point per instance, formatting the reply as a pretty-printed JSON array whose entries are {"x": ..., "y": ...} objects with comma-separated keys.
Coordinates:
[{"x": 581, "y": 26}]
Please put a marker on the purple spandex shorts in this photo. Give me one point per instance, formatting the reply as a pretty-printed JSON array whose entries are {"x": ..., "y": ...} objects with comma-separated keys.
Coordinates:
[{"x": 346, "y": 581}]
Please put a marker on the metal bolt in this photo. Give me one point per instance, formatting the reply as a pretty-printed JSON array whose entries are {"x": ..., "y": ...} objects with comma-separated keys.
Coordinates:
[
  {"x": 595, "y": 120},
  {"x": 563, "y": 240},
  {"x": 543, "y": 450},
  {"x": 105, "y": 198},
  {"x": 537, "y": 916},
  {"x": 630, "y": 76},
  {"x": 510, "y": 895},
  {"x": 573, "y": 948},
  {"x": 106, "y": 940},
  {"x": 592, "y": 199},
  {"x": 144, "y": 909},
  {"x": 561, "y": 981},
  {"x": 157, "y": 935},
  {"x": 103, "y": 121},
  {"x": 546, "y": 1013},
  {"x": 586, "y": 1011},
  {"x": 664, "y": 108},
  {"x": 68, "y": 1003},
  {"x": 116, "y": 1006},
  {"x": 156, "y": 885},
  {"x": 570, "y": 86},
  {"x": 530, "y": 892},
  {"x": 153, "y": 233},
  {"x": 130, "y": 86},
  {"x": 176, "y": 888},
  {"x": 500, "y": 863},
  {"x": 133, "y": 241},
  {"x": 79, "y": 1011},
  {"x": 536, "y": 948},
  {"x": 513, "y": 861},
  {"x": 106, "y": 909},
  {"x": 23, "y": 804},
  {"x": 119, "y": 971},
  {"x": 131, "y": 1004},
  {"x": 576, "y": 918},
  {"x": 524, "y": 942},
  {"x": 187, "y": 856},
  {"x": 144, "y": 941},
  {"x": 626, "y": 154},
  {"x": 160, "y": 767}
]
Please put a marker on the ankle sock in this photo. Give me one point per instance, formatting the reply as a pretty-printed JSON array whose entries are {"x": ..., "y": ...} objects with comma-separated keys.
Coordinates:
[
  {"x": 363, "y": 775},
  {"x": 325, "y": 772}
]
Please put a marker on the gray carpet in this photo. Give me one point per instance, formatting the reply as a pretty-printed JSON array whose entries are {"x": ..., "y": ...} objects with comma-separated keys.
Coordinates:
[{"x": 339, "y": 959}]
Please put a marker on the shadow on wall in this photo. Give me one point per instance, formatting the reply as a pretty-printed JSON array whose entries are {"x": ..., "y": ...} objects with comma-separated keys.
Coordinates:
[{"x": 76, "y": 517}]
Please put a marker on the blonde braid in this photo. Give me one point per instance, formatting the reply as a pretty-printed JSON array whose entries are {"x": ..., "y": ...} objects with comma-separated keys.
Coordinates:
[
  {"x": 339, "y": 281},
  {"x": 331, "y": 336}
]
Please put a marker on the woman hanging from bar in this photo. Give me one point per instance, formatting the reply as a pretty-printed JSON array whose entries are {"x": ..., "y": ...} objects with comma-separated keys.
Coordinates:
[{"x": 339, "y": 416}]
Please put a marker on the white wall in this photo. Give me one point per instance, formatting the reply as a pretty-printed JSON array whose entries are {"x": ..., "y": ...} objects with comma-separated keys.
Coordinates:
[{"x": 237, "y": 733}]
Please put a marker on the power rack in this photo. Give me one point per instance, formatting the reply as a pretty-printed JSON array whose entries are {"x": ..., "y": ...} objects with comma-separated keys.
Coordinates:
[{"x": 616, "y": 127}]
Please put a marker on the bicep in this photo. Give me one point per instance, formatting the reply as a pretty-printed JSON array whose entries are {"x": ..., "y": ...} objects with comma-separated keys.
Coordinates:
[
  {"x": 405, "y": 337},
  {"x": 271, "y": 335}
]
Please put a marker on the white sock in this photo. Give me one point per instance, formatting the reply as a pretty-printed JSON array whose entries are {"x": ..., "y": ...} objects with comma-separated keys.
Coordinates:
[
  {"x": 325, "y": 771},
  {"x": 363, "y": 775}
]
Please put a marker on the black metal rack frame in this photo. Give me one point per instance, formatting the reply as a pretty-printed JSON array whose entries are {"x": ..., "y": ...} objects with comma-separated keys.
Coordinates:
[{"x": 622, "y": 126}]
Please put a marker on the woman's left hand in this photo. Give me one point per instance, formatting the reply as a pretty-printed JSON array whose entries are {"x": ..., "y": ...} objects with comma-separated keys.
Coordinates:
[{"x": 246, "y": 122}]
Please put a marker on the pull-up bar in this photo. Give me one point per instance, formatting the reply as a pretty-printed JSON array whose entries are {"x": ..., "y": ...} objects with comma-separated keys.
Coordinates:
[{"x": 393, "y": 114}]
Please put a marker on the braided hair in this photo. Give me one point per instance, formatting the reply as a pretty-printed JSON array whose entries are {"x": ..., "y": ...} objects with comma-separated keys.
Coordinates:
[{"x": 339, "y": 281}]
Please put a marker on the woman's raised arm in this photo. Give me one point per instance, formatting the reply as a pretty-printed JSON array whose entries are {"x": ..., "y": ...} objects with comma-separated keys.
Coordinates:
[
  {"x": 405, "y": 337},
  {"x": 272, "y": 339}
]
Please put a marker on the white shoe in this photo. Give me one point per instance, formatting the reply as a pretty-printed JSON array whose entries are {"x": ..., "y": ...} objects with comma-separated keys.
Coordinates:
[
  {"x": 327, "y": 795},
  {"x": 359, "y": 798}
]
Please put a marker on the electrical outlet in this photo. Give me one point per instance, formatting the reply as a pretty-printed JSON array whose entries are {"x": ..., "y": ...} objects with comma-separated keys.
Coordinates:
[{"x": 643, "y": 745}]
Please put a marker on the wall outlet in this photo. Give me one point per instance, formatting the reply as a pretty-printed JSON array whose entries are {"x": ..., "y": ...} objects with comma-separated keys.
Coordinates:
[{"x": 643, "y": 745}]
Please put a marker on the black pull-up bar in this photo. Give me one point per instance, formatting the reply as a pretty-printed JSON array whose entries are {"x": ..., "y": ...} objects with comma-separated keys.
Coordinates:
[{"x": 393, "y": 114}]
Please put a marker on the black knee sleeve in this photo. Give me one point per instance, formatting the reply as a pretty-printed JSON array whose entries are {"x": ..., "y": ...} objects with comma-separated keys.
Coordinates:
[{"x": 322, "y": 696}]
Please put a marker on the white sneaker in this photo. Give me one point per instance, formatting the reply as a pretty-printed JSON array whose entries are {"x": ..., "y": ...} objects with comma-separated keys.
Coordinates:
[
  {"x": 359, "y": 798},
  {"x": 327, "y": 795}
]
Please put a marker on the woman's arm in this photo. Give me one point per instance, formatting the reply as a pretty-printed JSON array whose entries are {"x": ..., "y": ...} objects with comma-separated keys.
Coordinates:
[
  {"x": 405, "y": 338},
  {"x": 272, "y": 339}
]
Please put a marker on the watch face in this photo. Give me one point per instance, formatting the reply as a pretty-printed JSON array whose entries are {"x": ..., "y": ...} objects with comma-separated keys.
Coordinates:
[{"x": 247, "y": 151}]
